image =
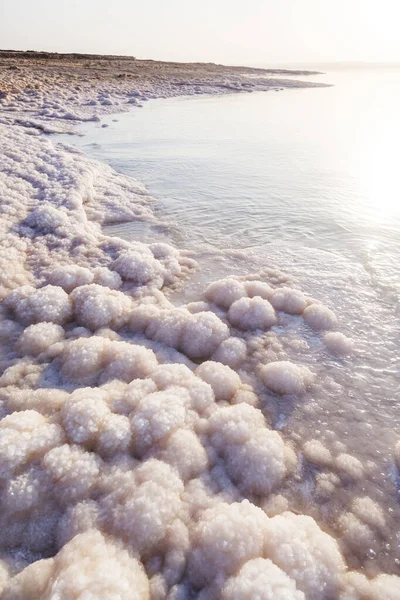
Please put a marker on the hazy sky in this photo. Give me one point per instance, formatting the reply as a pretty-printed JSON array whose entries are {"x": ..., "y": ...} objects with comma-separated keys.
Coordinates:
[{"x": 230, "y": 31}]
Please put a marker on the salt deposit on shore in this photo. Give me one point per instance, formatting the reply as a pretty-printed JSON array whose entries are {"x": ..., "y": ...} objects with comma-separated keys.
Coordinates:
[{"x": 136, "y": 459}]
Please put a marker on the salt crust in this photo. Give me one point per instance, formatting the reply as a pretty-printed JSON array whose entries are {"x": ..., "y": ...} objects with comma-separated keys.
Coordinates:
[{"x": 126, "y": 468}]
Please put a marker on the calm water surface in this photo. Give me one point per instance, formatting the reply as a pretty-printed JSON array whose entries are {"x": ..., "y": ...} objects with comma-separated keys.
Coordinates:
[{"x": 314, "y": 167}]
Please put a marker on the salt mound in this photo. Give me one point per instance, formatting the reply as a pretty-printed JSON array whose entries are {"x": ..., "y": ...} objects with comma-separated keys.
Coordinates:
[
  {"x": 284, "y": 377},
  {"x": 258, "y": 288},
  {"x": 73, "y": 471},
  {"x": 167, "y": 375},
  {"x": 260, "y": 578},
  {"x": 46, "y": 401},
  {"x": 126, "y": 362},
  {"x": 317, "y": 453},
  {"x": 96, "y": 306},
  {"x": 319, "y": 317},
  {"x": 231, "y": 352},
  {"x": 38, "y": 338},
  {"x": 167, "y": 327},
  {"x": 314, "y": 561},
  {"x": 197, "y": 335},
  {"x": 141, "y": 509},
  {"x": 225, "y": 538},
  {"x": 69, "y": 277},
  {"x": 337, "y": 343},
  {"x": 382, "y": 586},
  {"x": 90, "y": 566},
  {"x": 261, "y": 464},
  {"x": 223, "y": 380},
  {"x": 202, "y": 335},
  {"x": 252, "y": 313},
  {"x": 107, "y": 278},
  {"x": 256, "y": 458},
  {"x": 24, "y": 437},
  {"x": 157, "y": 416},
  {"x": 369, "y": 512},
  {"x": 288, "y": 300},
  {"x": 49, "y": 303},
  {"x": 350, "y": 466},
  {"x": 46, "y": 219},
  {"x": 185, "y": 453},
  {"x": 114, "y": 437},
  {"x": 234, "y": 425},
  {"x": 83, "y": 414},
  {"x": 139, "y": 267},
  {"x": 85, "y": 359},
  {"x": 224, "y": 292},
  {"x": 386, "y": 586}
]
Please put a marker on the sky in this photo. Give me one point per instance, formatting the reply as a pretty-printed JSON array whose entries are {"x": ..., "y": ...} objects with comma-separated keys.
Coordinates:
[{"x": 253, "y": 32}]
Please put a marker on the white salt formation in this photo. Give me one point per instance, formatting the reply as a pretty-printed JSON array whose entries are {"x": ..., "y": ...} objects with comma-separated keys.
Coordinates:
[
  {"x": 261, "y": 578},
  {"x": 286, "y": 378},
  {"x": 319, "y": 317},
  {"x": 225, "y": 292},
  {"x": 337, "y": 343},
  {"x": 136, "y": 455},
  {"x": 316, "y": 453},
  {"x": 289, "y": 300},
  {"x": 252, "y": 313}
]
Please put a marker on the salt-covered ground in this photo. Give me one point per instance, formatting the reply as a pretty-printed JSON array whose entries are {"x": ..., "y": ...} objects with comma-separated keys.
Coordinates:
[
  {"x": 136, "y": 458},
  {"x": 52, "y": 92}
]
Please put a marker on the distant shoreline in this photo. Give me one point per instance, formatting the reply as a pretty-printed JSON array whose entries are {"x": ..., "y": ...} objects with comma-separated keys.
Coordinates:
[
  {"x": 53, "y": 92},
  {"x": 67, "y": 56}
]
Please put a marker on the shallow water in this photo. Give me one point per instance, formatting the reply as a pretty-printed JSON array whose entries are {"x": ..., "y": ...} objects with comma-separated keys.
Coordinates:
[
  {"x": 314, "y": 166},
  {"x": 306, "y": 181},
  {"x": 309, "y": 170}
]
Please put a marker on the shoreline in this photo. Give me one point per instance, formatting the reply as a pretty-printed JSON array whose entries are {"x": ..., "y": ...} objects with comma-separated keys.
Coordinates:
[
  {"x": 133, "y": 430},
  {"x": 89, "y": 88}
]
